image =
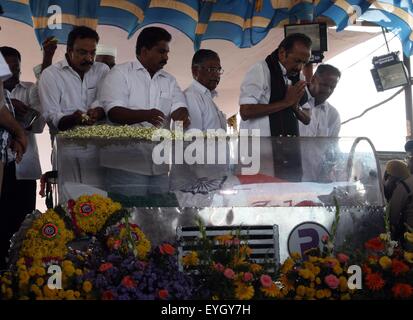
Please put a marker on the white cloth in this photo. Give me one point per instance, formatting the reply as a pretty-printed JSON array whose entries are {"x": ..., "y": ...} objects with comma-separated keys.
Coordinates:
[
  {"x": 256, "y": 89},
  {"x": 102, "y": 50},
  {"x": 62, "y": 91},
  {"x": 130, "y": 85},
  {"x": 325, "y": 120},
  {"x": 5, "y": 72},
  {"x": 29, "y": 168},
  {"x": 203, "y": 112}
]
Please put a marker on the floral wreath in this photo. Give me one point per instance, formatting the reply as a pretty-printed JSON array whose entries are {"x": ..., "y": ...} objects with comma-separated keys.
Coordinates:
[
  {"x": 90, "y": 213},
  {"x": 129, "y": 237}
]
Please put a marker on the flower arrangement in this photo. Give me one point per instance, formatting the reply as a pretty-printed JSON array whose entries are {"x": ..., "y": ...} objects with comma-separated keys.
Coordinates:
[
  {"x": 224, "y": 270},
  {"x": 47, "y": 238},
  {"x": 120, "y": 276},
  {"x": 90, "y": 213},
  {"x": 129, "y": 237}
]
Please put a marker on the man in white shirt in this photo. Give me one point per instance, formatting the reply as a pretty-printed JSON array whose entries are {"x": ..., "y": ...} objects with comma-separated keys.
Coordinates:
[
  {"x": 272, "y": 90},
  {"x": 206, "y": 71},
  {"x": 68, "y": 88},
  {"x": 325, "y": 119},
  {"x": 20, "y": 189},
  {"x": 141, "y": 93}
]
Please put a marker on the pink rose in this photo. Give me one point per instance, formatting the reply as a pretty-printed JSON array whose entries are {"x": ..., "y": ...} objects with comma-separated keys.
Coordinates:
[
  {"x": 342, "y": 258},
  {"x": 332, "y": 281},
  {"x": 236, "y": 242},
  {"x": 229, "y": 273},
  {"x": 266, "y": 281},
  {"x": 324, "y": 238},
  {"x": 247, "y": 276},
  {"x": 219, "y": 267}
]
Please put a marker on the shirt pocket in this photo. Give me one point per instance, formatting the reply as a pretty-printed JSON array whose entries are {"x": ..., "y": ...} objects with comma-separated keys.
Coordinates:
[
  {"x": 91, "y": 96},
  {"x": 165, "y": 104}
]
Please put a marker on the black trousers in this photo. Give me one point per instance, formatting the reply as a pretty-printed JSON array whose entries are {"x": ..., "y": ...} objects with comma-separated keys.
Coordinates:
[{"x": 18, "y": 198}]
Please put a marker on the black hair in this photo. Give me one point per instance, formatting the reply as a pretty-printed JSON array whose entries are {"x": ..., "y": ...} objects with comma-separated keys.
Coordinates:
[
  {"x": 289, "y": 41},
  {"x": 10, "y": 52},
  {"x": 149, "y": 37},
  {"x": 81, "y": 32},
  {"x": 327, "y": 68},
  {"x": 203, "y": 55}
]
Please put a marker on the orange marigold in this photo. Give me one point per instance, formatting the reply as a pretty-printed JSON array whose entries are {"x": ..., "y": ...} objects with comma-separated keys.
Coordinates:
[
  {"x": 374, "y": 281},
  {"x": 374, "y": 244},
  {"x": 402, "y": 290},
  {"x": 399, "y": 267}
]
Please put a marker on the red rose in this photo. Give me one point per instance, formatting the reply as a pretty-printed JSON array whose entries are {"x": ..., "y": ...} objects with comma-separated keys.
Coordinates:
[
  {"x": 128, "y": 282},
  {"x": 402, "y": 290},
  {"x": 105, "y": 266},
  {"x": 166, "y": 248},
  {"x": 399, "y": 267},
  {"x": 163, "y": 294}
]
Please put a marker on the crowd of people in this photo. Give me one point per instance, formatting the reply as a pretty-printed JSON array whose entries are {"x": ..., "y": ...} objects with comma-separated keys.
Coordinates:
[{"x": 87, "y": 87}]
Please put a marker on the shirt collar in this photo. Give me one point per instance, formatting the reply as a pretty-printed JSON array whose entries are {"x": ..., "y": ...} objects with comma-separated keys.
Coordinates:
[
  {"x": 139, "y": 66},
  {"x": 204, "y": 90},
  {"x": 283, "y": 69}
]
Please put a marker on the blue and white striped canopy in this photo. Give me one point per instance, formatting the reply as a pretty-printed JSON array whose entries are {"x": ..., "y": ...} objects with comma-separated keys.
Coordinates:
[{"x": 243, "y": 22}]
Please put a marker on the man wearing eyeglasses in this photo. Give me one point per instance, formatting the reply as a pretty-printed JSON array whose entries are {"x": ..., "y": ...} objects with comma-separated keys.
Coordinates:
[{"x": 206, "y": 71}]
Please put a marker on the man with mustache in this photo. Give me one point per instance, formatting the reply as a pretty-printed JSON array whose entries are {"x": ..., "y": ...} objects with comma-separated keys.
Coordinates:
[
  {"x": 142, "y": 94},
  {"x": 325, "y": 119},
  {"x": 206, "y": 71},
  {"x": 68, "y": 88},
  {"x": 272, "y": 90}
]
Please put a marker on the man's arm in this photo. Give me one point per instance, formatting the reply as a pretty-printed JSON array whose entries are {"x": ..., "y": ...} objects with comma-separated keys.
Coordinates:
[
  {"x": 292, "y": 97},
  {"x": 123, "y": 115},
  {"x": 302, "y": 114}
]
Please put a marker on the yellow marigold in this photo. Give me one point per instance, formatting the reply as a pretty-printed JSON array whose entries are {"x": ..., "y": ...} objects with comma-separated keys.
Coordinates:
[
  {"x": 313, "y": 259},
  {"x": 327, "y": 293},
  {"x": 78, "y": 272},
  {"x": 39, "y": 281},
  {"x": 77, "y": 294},
  {"x": 244, "y": 292},
  {"x": 70, "y": 295},
  {"x": 40, "y": 271},
  {"x": 287, "y": 265},
  {"x": 69, "y": 270},
  {"x": 337, "y": 269},
  {"x": 215, "y": 297},
  {"x": 343, "y": 284},
  {"x": 24, "y": 277},
  {"x": 87, "y": 286},
  {"x": 408, "y": 256},
  {"x": 255, "y": 268},
  {"x": 385, "y": 262},
  {"x": 310, "y": 293},
  {"x": 50, "y": 293},
  {"x": 223, "y": 238},
  {"x": 316, "y": 271},
  {"x": 319, "y": 294},
  {"x": 295, "y": 256},
  {"x": 273, "y": 291},
  {"x": 245, "y": 250},
  {"x": 301, "y": 290},
  {"x": 92, "y": 212},
  {"x": 306, "y": 274},
  {"x": 191, "y": 259}
]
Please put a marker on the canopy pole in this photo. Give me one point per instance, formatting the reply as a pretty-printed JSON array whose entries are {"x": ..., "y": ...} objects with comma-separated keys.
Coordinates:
[{"x": 408, "y": 99}]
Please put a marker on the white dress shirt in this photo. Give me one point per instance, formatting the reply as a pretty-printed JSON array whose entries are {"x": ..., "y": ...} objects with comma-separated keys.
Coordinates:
[
  {"x": 62, "y": 91},
  {"x": 256, "y": 89},
  {"x": 203, "y": 112},
  {"x": 325, "y": 120},
  {"x": 130, "y": 85},
  {"x": 29, "y": 168}
]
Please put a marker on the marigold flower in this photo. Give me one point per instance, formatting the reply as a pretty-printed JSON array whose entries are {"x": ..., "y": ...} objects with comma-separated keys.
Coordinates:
[
  {"x": 374, "y": 281},
  {"x": 402, "y": 290},
  {"x": 287, "y": 265},
  {"x": 191, "y": 259},
  {"x": 399, "y": 267},
  {"x": 87, "y": 286},
  {"x": 301, "y": 290},
  {"x": 408, "y": 256},
  {"x": 39, "y": 281},
  {"x": 166, "y": 248},
  {"x": 385, "y": 262},
  {"x": 273, "y": 291},
  {"x": 244, "y": 291},
  {"x": 374, "y": 244},
  {"x": 255, "y": 268},
  {"x": 163, "y": 294}
]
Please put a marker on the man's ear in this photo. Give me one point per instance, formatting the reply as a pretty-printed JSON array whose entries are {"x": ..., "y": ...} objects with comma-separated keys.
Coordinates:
[{"x": 195, "y": 71}]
